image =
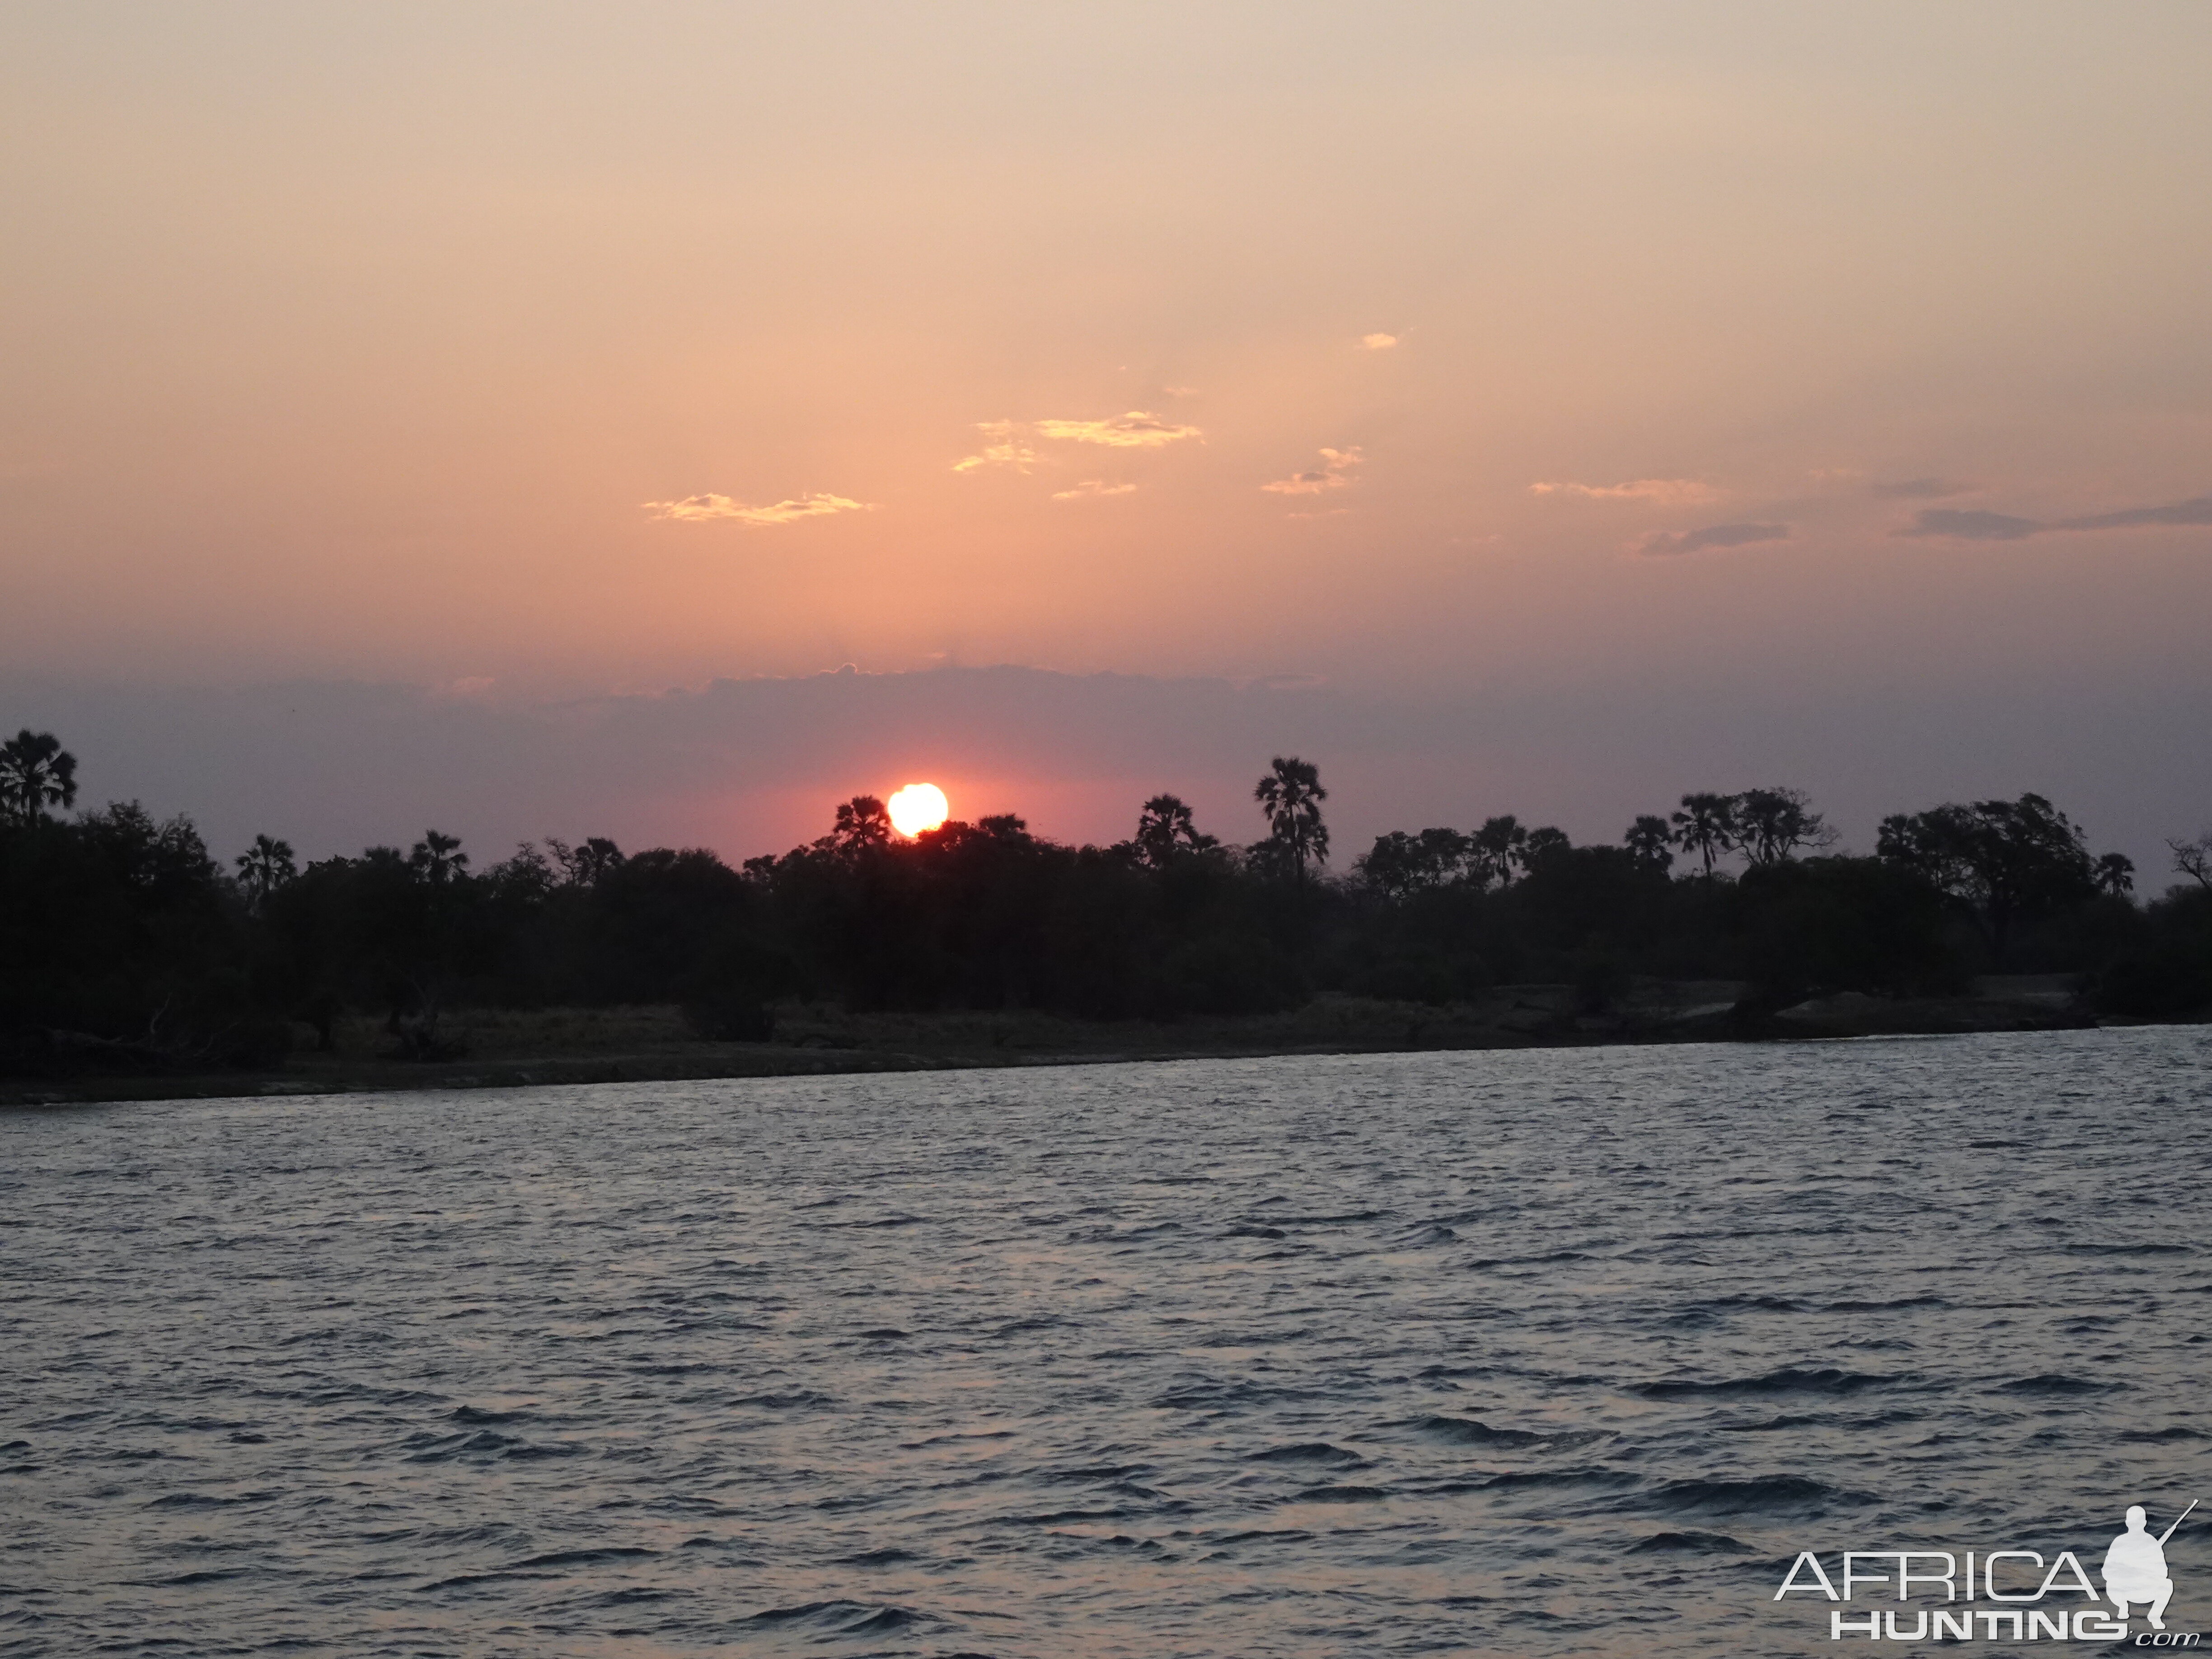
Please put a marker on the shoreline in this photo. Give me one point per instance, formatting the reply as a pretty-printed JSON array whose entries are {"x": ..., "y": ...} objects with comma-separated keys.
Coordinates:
[
  {"x": 767, "y": 1061},
  {"x": 512, "y": 1050}
]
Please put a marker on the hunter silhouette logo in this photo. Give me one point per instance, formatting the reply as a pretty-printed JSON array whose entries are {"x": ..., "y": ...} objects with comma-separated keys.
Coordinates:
[
  {"x": 2134, "y": 1566},
  {"x": 2027, "y": 1592}
]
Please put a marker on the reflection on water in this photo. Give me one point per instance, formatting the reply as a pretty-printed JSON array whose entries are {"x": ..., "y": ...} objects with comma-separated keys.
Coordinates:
[{"x": 1536, "y": 1353}]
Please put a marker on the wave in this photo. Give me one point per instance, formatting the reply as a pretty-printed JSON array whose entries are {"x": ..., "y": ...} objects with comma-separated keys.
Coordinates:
[
  {"x": 488, "y": 1443},
  {"x": 584, "y": 1557},
  {"x": 1466, "y": 1432},
  {"x": 1788, "y": 1380},
  {"x": 1086, "y": 1475},
  {"x": 2050, "y": 1383},
  {"x": 1793, "y": 1495},
  {"x": 480, "y": 1414},
  {"x": 1596, "y": 1476},
  {"x": 1308, "y": 1451},
  {"x": 1691, "y": 1543},
  {"x": 843, "y": 1617}
]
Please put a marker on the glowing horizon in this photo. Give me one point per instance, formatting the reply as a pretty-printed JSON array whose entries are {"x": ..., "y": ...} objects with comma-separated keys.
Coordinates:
[{"x": 1433, "y": 358}]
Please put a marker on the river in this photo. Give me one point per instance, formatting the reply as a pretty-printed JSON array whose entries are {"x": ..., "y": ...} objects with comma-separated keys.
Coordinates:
[{"x": 1543, "y": 1352}]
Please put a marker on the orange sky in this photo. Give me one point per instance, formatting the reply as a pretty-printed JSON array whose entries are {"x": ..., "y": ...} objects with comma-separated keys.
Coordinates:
[{"x": 557, "y": 350}]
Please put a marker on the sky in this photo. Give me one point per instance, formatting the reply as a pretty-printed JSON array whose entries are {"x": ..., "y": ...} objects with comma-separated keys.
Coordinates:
[{"x": 673, "y": 418}]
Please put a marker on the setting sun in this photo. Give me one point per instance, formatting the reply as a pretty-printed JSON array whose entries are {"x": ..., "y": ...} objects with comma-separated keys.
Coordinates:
[{"x": 917, "y": 807}]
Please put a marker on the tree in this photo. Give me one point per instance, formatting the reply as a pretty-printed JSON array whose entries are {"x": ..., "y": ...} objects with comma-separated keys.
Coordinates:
[
  {"x": 35, "y": 773},
  {"x": 2193, "y": 858},
  {"x": 1771, "y": 825},
  {"x": 584, "y": 865},
  {"x": 1499, "y": 844},
  {"x": 1400, "y": 864},
  {"x": 1544, "y": 845},
  {"x": 1706, "y": 826},
  {"x": 121, "y": 926},
  {"x": 264, "y": 869},
  {"x": 528, "y": 876},
  {"x": 1165, "y": 833},
  {"x": 2116, "y": 875},
  {"x": 436, "y": 859},
  {"x": 1650, "y": 842},
  {"x": 2000, "y": 861},
  {"x": 864, "y": 825},
  {"x": 1291, "y": 795}
]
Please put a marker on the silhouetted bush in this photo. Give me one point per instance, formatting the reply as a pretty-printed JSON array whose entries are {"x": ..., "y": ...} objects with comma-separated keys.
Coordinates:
[
  {"x": 2167, "y": 973},
  {"x": 1845, "y": 924},
  {"x": 124, "y": 945}
]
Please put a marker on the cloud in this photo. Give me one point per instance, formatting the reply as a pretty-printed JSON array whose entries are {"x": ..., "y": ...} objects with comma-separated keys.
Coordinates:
[
  {"x": 2004, "y": 527},
  {"x": 1138, "y": 429},
  {"x": 1091, "y": 489},
  {"x": 1377, "y": 341},
  {"x": 1005, "y": 443},
  {"x": 1668, "y": 492},
  {"x": 1001, "y": 447},
  {"x": 693, "y": 509},
  {"x": 1181, "y": 391},
  {"x": 1334, "y": 473},
  {"x": 1667, "y": 543},
  {"x": 2193, "y": 511},
  {"x": 1970, "y": 526},
  {"x": 1914, "y": 489}
]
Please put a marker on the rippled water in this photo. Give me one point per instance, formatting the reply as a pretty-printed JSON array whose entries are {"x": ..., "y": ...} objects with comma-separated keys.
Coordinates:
[{"x": 1533, "y": 1354}]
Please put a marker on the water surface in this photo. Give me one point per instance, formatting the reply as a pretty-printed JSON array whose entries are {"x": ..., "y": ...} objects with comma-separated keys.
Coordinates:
[{"x": 1538, "y": 1354}]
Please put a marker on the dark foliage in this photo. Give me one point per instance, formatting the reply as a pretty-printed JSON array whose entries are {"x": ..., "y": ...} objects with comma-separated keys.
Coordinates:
[
  {"x": 2164, "y": 971},
  {"x": 124, "y": 945},
  {"x": 2002, "y": 863}
]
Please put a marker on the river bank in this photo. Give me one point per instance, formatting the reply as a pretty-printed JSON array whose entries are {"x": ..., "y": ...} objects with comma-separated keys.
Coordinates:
[{"x": 511, "y": 1047}]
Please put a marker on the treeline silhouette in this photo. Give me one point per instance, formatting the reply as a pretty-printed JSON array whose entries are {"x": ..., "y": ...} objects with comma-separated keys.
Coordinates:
[{"x": 124, "y": 942}]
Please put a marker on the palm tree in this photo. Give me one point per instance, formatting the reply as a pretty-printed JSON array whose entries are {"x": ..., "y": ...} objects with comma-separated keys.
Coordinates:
[
  {"x": 1651, "y": 841},
  {"x": 35, "y": 773},
  {"x": 1542, "y": 846},
  {"x": 1164, "y": 831},
  {"x": 2116, "y": 874},
  {"x": 863, "y": 823},
  {"x": 437, "y": 859},
  {"x": 268, "y": 867},
  {"x": 1291, "y": 795},
  {"x": 1706, "y": 826},
  {"x": 1500, "y": 841}
]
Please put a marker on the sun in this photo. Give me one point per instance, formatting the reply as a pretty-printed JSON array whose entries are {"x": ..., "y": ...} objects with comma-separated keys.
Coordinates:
[{"x": 917, "y": 807}]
